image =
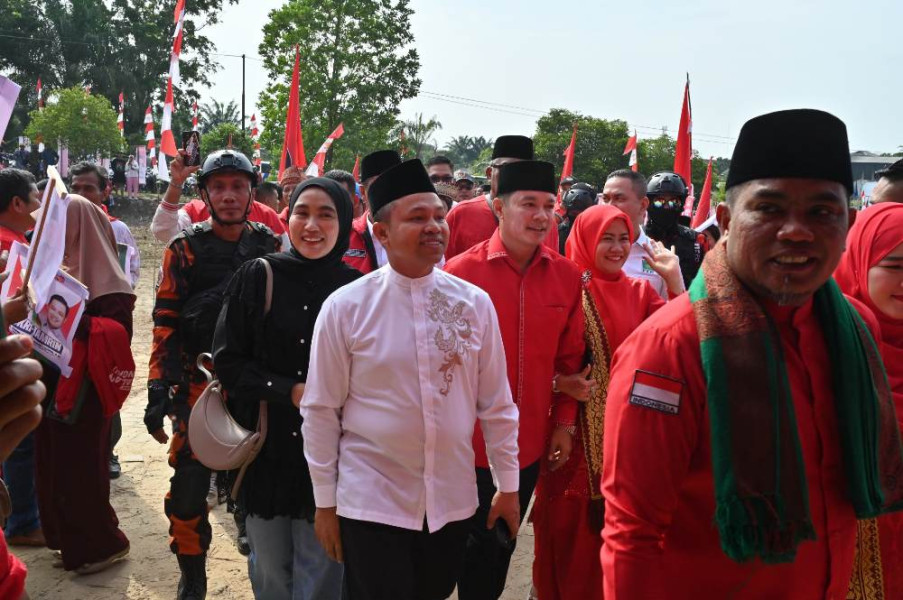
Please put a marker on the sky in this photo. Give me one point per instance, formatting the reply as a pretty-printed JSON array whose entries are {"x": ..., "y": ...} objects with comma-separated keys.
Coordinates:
[{"x": 492, "y": 67}]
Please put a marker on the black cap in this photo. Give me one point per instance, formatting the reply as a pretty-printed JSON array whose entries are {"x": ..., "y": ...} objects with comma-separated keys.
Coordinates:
[
  {"x": 527, "y": 175},
  {"x": 221, "y": 161},
  {"x": 401, "y": 180},
  {"x": 376, "y": 162},
  {"x": 513, "y": 146},
  {"x": 568, "y": 181},
  {"x": 804, "y": 143},
  {"x": 893, "y": 171}
]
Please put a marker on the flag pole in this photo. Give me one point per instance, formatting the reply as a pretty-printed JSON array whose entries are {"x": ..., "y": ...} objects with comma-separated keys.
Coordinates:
[{"x": 48, "y": 192}]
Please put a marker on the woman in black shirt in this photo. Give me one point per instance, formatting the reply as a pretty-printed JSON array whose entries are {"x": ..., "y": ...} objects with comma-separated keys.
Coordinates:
[{"x": 264, "y": 357}]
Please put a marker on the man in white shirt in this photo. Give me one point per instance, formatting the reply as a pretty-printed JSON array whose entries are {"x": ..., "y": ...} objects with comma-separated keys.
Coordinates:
[
  {"x": 626, "y": 190},
  {"x": 404, "y": 361}
]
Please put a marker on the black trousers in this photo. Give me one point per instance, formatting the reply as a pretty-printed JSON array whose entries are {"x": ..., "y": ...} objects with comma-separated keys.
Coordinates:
[
  {"x": 486, "y": 562},
  {"x": 390, "y": 563}
]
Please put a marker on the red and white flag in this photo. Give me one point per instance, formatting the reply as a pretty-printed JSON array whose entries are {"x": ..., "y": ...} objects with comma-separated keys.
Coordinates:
[
  {"x": 194, "y": 116},
  {"x": 315, "y": 168},
  {"x": 568, "y": 169},
  {"x": 120, "y": 121},
  {"x": 255, "y": 137},
  {"x": 40, "y": 96},
  {"x": 656, "y": 392},
  {"x": 684, "y": 152},
  {"x": 293, "y": 142},
  {"x": 356, "y": 171},
  {"x": 705, "y": 216},
  {"x": 630, "y": 148},
  {"x": 167, "y": 141},
  {"x": 149, "y": 135}
]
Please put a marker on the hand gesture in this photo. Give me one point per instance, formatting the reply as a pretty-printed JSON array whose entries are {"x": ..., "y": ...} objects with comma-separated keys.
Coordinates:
[
  {"x": 178, "y": 172},
  {"x": 665, "y": 262}
]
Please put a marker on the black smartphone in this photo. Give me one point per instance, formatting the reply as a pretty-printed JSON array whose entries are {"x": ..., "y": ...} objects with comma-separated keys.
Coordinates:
[{"x": 191, "y": 144}]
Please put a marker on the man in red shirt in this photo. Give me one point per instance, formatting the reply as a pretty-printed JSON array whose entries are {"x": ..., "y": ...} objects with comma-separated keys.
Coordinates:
[
  {"x": 365, "y": 253},
  {"x": 473, "y": 221},
  {"x": 743, "y": 419},
  {"x": 19, "y": 197},
  {"x": 537, "y": 295}
]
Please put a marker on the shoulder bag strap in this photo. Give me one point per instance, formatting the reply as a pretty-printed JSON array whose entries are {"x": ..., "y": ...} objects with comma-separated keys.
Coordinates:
[{"x": 267, "y": 305}]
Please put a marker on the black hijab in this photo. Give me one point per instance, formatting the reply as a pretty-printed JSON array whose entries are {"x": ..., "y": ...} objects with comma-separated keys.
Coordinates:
[{"x": 297, "y": 262}]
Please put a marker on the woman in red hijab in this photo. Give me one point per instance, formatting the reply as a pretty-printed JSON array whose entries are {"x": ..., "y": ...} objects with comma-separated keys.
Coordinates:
[
  {"x": 871, "y": 271},
  {"x": 567, "y": 516}
]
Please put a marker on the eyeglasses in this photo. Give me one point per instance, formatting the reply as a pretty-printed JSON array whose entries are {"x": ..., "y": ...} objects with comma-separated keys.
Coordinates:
[{"x": 442, "y": 179}]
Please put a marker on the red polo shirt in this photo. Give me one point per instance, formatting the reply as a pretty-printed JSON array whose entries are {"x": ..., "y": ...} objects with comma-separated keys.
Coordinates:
[
  {"x": 8, "y": 236},
  {"x": 541, "y": 322},
  {"x": 472, "y": 222}
]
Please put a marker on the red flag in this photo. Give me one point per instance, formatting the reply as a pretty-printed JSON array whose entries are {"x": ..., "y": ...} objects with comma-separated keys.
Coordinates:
[
  {"x": 40, "y": 97},
  {"x": 704, "y": 208},
  {"x": 356, "y": 171},
  {"x": 149, "y": 136},
  {"x": 631, "y": 149},
  {"x": 194, "y": 116},
  {"x": 120, "y": 121},
  {"x": 684, "y": 151},
  {"x": 315, "y": 168},
  {"x": 167, "y": 141},
  {"x": 293, "y": 144},
  {"x": 568, "y": 168}
]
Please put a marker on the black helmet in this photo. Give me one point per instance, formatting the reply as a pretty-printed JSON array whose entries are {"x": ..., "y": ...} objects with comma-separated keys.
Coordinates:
[
  {"x": 580, "y": 197},
  {"x": 666, "y": 182},
  {"x": 223, "y": 161}
]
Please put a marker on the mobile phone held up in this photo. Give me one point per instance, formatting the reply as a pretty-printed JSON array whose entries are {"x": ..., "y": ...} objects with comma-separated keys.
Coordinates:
[{"x": 191, "y": 144}]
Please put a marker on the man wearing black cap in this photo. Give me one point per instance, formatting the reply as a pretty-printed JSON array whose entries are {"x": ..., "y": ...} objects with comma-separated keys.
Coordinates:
[
  {"x": 890, "y": 184},
  {"x": 364, "y": 252},
  {"x": 403, "y": 363},
  {"x": 757, "y": 402},
  {"x": 667, "y": 193},
  {"x": 536, "y": 293},
  {"x": 473, "y": 221}
]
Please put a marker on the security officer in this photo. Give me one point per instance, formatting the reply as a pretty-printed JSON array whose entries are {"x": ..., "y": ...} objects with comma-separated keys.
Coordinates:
[
  {"x": 197, "y": 266},
  {"x": 667, "y": 193},
  {"x": 578, "y": 198}
]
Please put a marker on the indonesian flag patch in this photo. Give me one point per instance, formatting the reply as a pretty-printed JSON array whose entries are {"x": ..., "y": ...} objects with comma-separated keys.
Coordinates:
[{"x": 657, "y": 392}]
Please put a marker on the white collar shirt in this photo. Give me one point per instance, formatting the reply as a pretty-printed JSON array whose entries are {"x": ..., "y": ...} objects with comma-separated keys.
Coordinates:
[
  {"x": 400, "y": 371},
  {"x": 637, "y": 267},
  {"x": 381, "y": 256}
]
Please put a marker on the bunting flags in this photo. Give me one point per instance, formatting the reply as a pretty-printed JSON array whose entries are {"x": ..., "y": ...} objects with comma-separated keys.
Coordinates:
[
  {"x": 315, "y": 169},
  {"x": 356, "y": 171},
  {"x": 194, "y": 116},
  {"x": 167, "y": 141},
  {"x": 293, "y": 143},
  {"x": 684, "y": 152},
  {"x": 149, "y": 135},
  {"x": 120, "y": 121},
  {"x": 631, "y": 149},
  {"x": 568, "y": 169},
  {"x": 255, "y": 137},
  {"x": 704, "y": 216},
  {"x": 40, "y": 96}
]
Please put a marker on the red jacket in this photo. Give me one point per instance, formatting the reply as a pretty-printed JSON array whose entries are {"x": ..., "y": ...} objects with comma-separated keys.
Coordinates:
[
  {"x": 541, "y": 321},
  {"x": 659, "y": 539},
  {"x": 472, "y": 222},
  {"x": 360, "y": 254},
  {"x": 260, "y": 213}
]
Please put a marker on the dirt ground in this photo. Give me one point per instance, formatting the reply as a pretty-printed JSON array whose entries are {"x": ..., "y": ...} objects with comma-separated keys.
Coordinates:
[{"x": 150, "y": 572}]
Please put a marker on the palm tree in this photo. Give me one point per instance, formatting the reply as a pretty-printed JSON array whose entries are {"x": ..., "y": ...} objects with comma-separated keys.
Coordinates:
[
  {"x": 418, "y": 134},
  {"x": 218, "y": 113}
]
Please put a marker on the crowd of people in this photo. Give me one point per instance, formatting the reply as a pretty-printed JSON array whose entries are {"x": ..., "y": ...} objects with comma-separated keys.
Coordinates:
[{"x": 688, "y": 413}]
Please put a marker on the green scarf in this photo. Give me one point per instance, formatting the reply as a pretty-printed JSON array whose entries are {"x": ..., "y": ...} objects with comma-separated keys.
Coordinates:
[{"x": 761, "y": 493}]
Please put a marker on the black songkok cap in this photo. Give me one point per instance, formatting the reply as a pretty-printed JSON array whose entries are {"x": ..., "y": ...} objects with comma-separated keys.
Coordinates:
[
  {"x": 804, "y": 143},
  {"x": 377, "y": 162},
  {"x": 527, "y": 175},
  {"x": 401, "y": 180},
  {"x": 513, "y": 146}
]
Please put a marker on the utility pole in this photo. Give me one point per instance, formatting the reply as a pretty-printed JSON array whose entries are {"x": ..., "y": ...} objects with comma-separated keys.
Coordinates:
[{"x": 242, "y": 93}]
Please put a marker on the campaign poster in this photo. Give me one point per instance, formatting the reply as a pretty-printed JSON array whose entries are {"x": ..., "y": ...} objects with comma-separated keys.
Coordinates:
[{"x": 53, "y": 326}]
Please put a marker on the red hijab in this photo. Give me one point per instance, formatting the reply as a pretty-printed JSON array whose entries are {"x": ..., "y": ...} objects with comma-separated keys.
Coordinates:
[
  {"x": 877, "y": 231},
  {"x": 623, "y": 303}
]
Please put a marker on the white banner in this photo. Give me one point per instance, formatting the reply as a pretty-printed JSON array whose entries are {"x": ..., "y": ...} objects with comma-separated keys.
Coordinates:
[
  {"x": 141, "y": 153},
  {"x": 52, "y": 245},
  {"x": 9, "y": 93}
]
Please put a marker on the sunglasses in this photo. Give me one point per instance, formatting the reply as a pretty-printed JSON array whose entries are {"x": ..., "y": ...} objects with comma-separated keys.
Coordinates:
[
  {"x": 672, "y": 204},
  {"x": 441, "y": 179}
]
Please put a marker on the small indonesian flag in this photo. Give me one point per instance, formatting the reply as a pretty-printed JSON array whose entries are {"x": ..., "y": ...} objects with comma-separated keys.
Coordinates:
[
  {"x": 120, "y": 121},
  {"x": 40, "y": 96},
  {"x": 657, "y": 392},
  {"x": 315, "y": 168},
  {"x": 630, "y": 148},
  {"x": 194, "y": 116}
]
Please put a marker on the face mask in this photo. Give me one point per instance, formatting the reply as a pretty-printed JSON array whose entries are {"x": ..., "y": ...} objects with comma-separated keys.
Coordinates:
[{"x": 662, "y": 217}]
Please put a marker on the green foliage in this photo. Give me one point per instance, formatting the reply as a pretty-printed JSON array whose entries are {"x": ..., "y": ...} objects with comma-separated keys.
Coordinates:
[
  {"x": 218, "y": 138},
  {"x": 418, "y": 135},
  {"x": 113, "y": 45},
  {"x": 357, "y": 64},
  {"x": 600, "y": 143},
  {"x": 84, "y": 122},
  {"x": 465, "y": 151},
  {"x": 657, "y": 154},
  {"x": 214, "y": 114}
]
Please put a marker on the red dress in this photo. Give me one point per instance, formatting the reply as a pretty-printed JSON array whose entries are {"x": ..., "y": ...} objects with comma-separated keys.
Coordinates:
[
  {"x": 877, "y": 231},
  {"x": 567, "y": 510}
]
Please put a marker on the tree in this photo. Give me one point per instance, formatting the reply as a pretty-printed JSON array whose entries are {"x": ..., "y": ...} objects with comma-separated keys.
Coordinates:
[
  {"x": 218, "y": 138},
  {"x": 464, "y": 150},
  {"x": 113, "y": 45},
  {"x": 216, "y": 113},
  {"x": 600, "y": 143},
  {"x": 84, "y": 122},
  {"x": 357, "y": 64},
  {"x": 418, "y": 136}
]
